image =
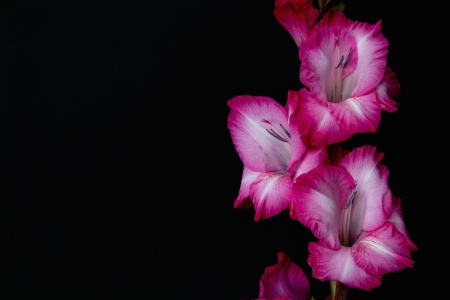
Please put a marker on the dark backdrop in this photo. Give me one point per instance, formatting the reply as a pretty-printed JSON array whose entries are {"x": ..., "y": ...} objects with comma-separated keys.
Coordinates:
[{"x": 118, "y": 173}]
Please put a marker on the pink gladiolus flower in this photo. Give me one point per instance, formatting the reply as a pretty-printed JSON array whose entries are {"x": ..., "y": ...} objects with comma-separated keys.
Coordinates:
[
  {"x": 350, "y": 209},
  {"x": 273, "y": 154},
  {"x": 298, "y": 17},
  {"x": 284, "y": 281},
  {"x": 343, "y": 67}
]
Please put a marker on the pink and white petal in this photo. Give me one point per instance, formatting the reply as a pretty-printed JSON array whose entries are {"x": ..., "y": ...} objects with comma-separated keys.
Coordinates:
[
  {"x": 358, "y": 114},
  {"x": 372, "y": 56},
  {"x": 396, "y": 218},
  {"x": 271, "y": 193},
  {"x": 382, "y": 251},
  {"x": 372, "y": 205},
  {"x": 338, "y": 265},
  {"x": 318, "y": 197},
  {"x": 249, "y": 121},
  {"x": 283, "y": 281},
  {"x": 298, "y": 17},
  {"x": 248, "y": 177},
  {"x": 315, "y": 123},
  {"x": 298, "y": 148},
  {"x": 320, "y": 54},
  {"x": 388, "y": 90},
  {"x": 311, "y": 158}
]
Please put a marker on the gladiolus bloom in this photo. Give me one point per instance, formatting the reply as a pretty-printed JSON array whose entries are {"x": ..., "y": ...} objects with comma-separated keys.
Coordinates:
[
  {"x": 269, "y": 145},
  {"x": 350, "y": 209},
  {"x": 343, "y": 67}
]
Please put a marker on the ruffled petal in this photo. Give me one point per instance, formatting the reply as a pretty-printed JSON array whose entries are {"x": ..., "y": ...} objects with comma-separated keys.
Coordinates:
[
  {"x": 250, "y": 122},
  {"x": 283, "y": 281},
  {"x": 311, "y": 158},
  {"x": 248, "y": 177},
  {"x": 388, "y": 90},
  {"x": 298, "y": 147},
  {"x": 338, "y": 265},
  {"x": 358, "y": 114},
  {"x": 315, "y": 123},
  {"x": 372, "y": 53},
  {"x": 396, "y": 218},
  {"x": 381, "y": 251},
  {"x": 318, "y": 197},
  {"x": 270, "y": 193},
  {"x": 298, "y": 17},
  {"x": 372, "y": 205}
]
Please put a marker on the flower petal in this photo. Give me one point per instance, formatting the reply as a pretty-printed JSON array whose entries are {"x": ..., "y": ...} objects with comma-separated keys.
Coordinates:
[
  {"x": 338, "y": 265},
  {"x": 357, "y": 114},
  {"x": 311, "y": 158},
  {"x": 248, "y": 122},
  {"x": 318, "y": 197},
  {"x": 298, "y": 17},
  {"x": 283, "y": 281},
  {"x": 302, "y": 158},
  {"x": 270, "y": 194},
  {"x": 248, "y": 177},
  {"x": 388, "y": 90},
  {"x": 372, "y": 204},
  {"x": 298, "y": 147},
  {"x": 396, "y": 218},
  {"x": 382, "y": 251},
  {"x": 315, "y": 123},
  {"x": 372, "y": 56}
]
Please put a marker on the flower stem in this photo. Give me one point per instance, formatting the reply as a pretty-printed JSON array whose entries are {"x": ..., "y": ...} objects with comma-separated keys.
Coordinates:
[{"x": 342, "y": 291}]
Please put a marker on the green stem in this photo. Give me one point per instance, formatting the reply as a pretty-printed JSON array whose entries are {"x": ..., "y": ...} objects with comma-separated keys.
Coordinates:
[{"x": 333, "y": 289}]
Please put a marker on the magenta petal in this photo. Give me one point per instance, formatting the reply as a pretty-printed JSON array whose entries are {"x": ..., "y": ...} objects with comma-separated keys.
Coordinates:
[
  {"x": 338, "y": 265},
  {"x": 357, "y": 114},
  {"x": 298, "y": 17},
  {"x": 396, "y": 218},
  {"x": 388, "y": 90},
  {"x": 335, "y": 19},
  {"x": 318, "y": 198},
  {"x": 248, "y": 177},
  {"x": 382, "y": 251},
  {"x": 298, "y": 147},
  {"x": 283, "y": 281},
  {"x": 270, "y": 194},
  {"x": 249, "y": 121},
  {"x": 311, "y": 158},
  {"x": 372, "y": 204},
  {"x": 315, "y": 123}
]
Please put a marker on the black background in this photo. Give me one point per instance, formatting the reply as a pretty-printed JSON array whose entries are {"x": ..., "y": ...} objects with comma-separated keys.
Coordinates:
[{"x": 118, "y": 173}]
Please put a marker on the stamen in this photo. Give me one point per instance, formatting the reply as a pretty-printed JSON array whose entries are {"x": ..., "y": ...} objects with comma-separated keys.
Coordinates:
[
  {"x": 340, "y": 62},
  {"x": 276, "y": 135},
  {"x": 351, "y": 198},
  {"x": 347, "y": 59},
  {"x": 285, "y": 131}
]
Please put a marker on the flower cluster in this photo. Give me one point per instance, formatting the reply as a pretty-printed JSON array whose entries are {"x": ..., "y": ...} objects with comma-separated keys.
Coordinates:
[{"x": 293, "y": 160}]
